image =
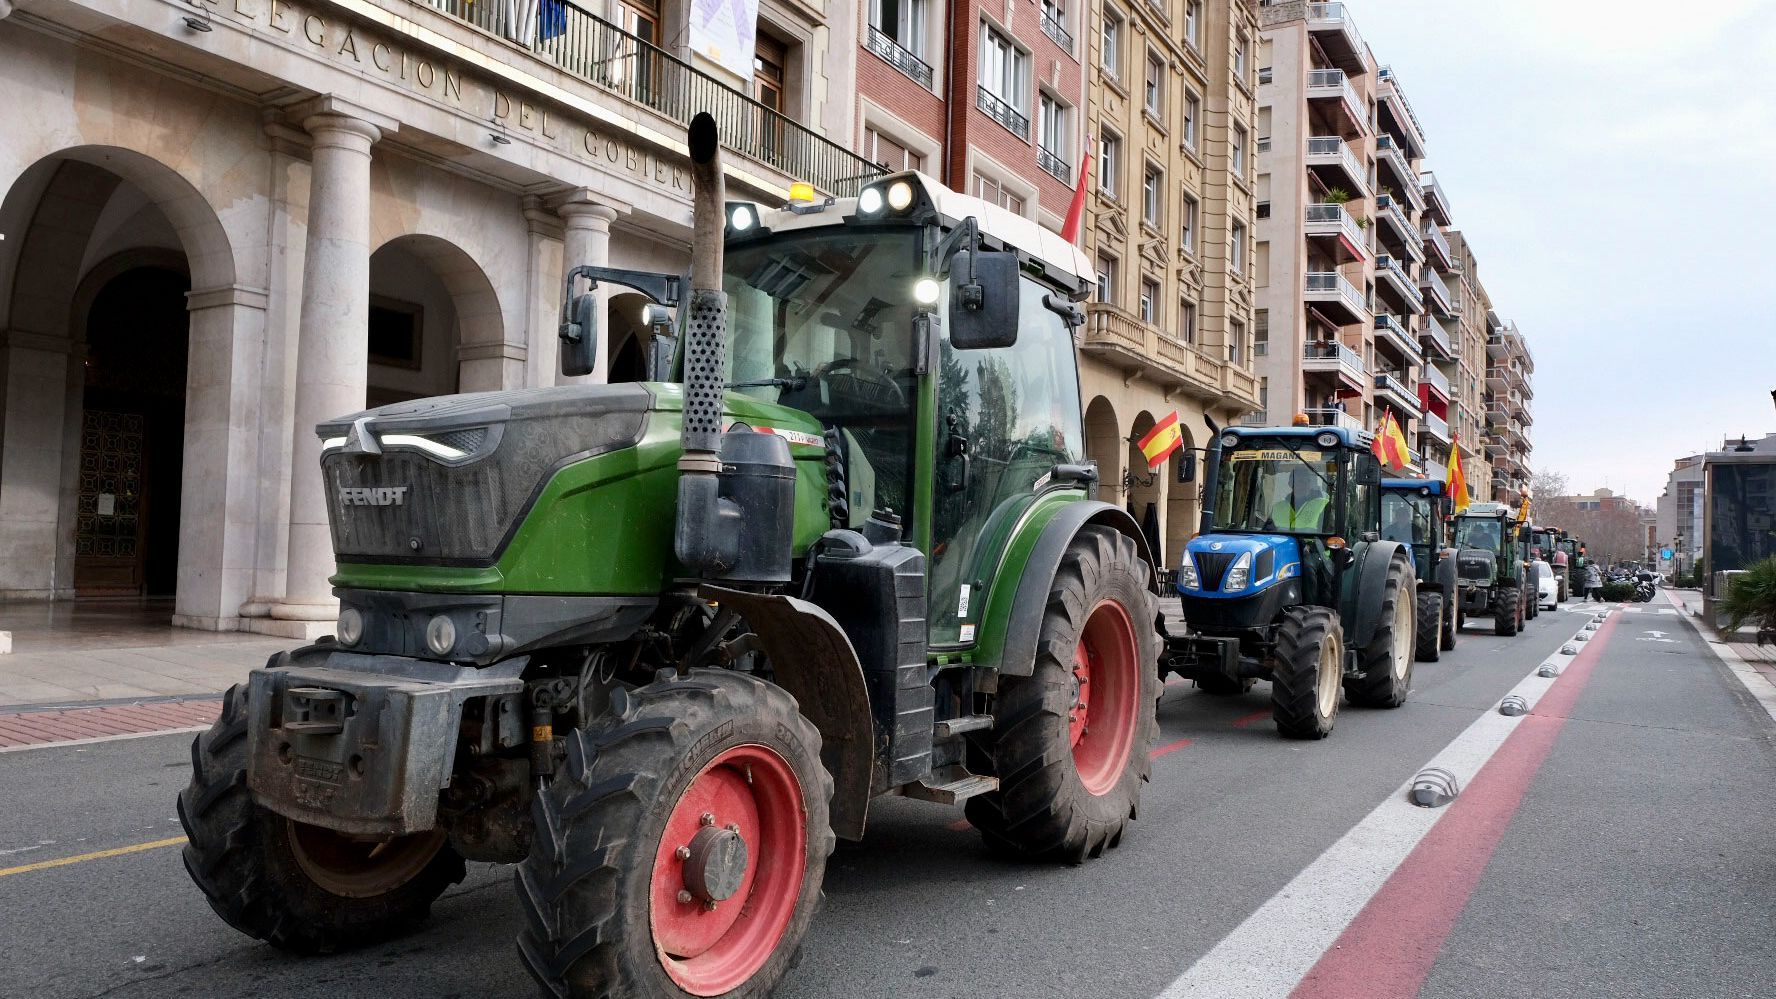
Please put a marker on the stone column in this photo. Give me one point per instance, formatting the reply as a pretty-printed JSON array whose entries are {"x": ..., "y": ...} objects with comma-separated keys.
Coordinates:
[
  {"x": 542, "y": 291},
  {"x": 34, "y": 403},
  {"x": 332, "y": 354},
  {"x": 587, "y": 241}
]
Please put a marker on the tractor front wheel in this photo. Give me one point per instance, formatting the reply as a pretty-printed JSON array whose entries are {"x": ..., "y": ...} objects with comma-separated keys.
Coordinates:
[
  {"x": 1430, "y": 626},
  {"x": 296, "y": 886},
  {"x": 1387, "y": 660},
  {"x": 1073, "y": 736},
  {"x": 1452, "y": 621},
  {"x": 680, "y": 849},
  {"x": 1507, "y": 611},
  {"x": 1308, "y": 667}
]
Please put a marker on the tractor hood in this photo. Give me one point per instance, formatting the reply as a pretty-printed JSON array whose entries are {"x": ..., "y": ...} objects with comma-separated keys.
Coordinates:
[
  {"x": 1211, "y": 561},
  {"x": 445, "y": 480},
  {"x": 1475, "y": 565}
]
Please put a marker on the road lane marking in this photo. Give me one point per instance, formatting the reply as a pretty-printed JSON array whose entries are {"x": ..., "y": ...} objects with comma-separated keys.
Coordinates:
[
  {"x": 1253, "y": 718},
  {"x": 1269, "y": 953},
  {"x": 120, "y": 851},
  {"x": 1170, "y": 747},
  {"x": 1388, "y": 950}
]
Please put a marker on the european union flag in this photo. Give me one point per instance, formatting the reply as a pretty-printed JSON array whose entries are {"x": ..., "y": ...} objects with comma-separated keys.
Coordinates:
[{"x": 551, "y": 19}]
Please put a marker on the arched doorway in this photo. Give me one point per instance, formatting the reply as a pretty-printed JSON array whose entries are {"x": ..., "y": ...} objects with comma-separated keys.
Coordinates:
[
  {"x": 629, "y": 341},
  {"x": 1146, "y": 489},
  {"x": 131, "y": 434},
  {"x": 1183, "y": 498},
  {"x": 1103, "y": 444},
  {"x": 435, "y": 326}
]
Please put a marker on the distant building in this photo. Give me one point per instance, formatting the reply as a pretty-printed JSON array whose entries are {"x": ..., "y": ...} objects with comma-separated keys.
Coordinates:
[{"x": 1739, "y": 511}]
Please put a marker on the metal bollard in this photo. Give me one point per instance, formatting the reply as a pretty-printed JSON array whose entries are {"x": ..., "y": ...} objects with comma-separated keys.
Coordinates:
[{"x": 1514, "y": 705}]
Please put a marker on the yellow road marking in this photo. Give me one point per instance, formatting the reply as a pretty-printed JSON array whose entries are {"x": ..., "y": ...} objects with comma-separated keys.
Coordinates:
[{"x": 95, "y": 855}]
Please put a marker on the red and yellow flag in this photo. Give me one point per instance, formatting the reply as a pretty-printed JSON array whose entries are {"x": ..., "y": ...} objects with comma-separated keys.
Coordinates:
[
  {"x": 1161, "y": 441},
  {"x": 1390, "y": 444},
  {"x": 1458, "y": 477}
]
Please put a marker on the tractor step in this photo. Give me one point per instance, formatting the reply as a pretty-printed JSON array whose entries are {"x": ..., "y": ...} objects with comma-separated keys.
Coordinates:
[
  {"x": 956, "y": 726},
  {"x": 948, "y": 785}
]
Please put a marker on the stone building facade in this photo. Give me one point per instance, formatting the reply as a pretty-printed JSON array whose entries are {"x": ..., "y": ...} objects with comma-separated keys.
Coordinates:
[{"x": 224, "y": 222}]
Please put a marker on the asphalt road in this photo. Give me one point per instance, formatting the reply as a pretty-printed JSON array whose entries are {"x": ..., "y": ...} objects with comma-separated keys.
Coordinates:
[{"x": 1637, "y": 860}]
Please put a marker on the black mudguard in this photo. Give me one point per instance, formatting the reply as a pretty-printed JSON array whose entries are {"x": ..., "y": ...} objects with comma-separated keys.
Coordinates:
[
  {"x": 814, "y": 661},
  {"x": 1364, "y": 585}
]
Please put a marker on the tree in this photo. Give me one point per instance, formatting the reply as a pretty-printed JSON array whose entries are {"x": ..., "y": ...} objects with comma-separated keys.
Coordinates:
[{"x": 1545, "y": 487}]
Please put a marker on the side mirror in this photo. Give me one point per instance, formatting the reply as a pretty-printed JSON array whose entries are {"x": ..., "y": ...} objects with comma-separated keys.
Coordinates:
[
  {"x": 1187, "y": 466},
  {"x": 1368, "y": 470},
  {"x": 983, "y": 299},
  {"x": 580, "y": 336}
]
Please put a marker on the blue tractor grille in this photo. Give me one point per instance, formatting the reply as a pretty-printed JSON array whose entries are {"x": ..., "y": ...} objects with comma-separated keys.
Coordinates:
[
  {"x": 1211, "y": 566},
  {"x": 1267, "y": 560}
]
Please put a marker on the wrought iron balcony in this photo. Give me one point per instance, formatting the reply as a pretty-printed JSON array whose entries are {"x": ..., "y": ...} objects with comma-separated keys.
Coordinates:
[
  {"x": 899, "y": 56},
  {"x": 995, "y": 108},
  {"x": 1052, "y": 27},
  {"x": 1056, "y": 167},
  {"x": 612, "y": 60}
]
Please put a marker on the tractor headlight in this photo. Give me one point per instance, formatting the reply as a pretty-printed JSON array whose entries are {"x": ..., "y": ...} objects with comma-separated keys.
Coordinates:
[
  {"x": 1239, "y": 575},
  {"x": 900, "y": 195},
  {"x": 742, "y": 218},
  {"x": 1187, "y": 574},
  {"x": 350, "y": 629},
  {"x": 441, "y": 635},
  {"x": 870, "y": 201}
]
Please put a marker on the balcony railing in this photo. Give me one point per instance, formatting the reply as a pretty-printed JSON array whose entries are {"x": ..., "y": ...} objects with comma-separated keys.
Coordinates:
[
  {"x": 1053, "y": 28},
  {"x": 1388, "y": 75},
  {"x": 1393, "y": 330},
  {"x": 1436, "y": 201},
  {"x": 1394, "y": 214},
  {"x": 1338, "y": 32},
  {"x": 1437, "y": 242},
  {"x": 1334, "y": 220},
  {"x": 1388, "y": 152},
  {"x": 622, "y": 64},
  {"x": 1434, "y": 425},
  {"x": 1334, "y": 418},
  {"x": 1437, "y": 290},
  {"x": 1402, "y": 391},
  {"x": 1333, "y": 83},
  {"x": 1260, "y": 418},
  {"x": 995, "y": 108},
  {"x": 1330, "y": 150},
  {"x": 1332, "y": 356},
  {"x": 1394, "y": 271},
  {"x": 899, "y": 56},
  {"x": 1134, "y": 345},
  {"x": 1437, "y": 379},
  {"x": 1056, "y": 167},
  {"x": 1434, "y": 334},
  {"x": 1332, "y": 282}
]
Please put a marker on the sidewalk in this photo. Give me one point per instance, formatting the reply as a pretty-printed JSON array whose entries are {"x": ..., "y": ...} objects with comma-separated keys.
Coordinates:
[{"x": 73, "y": 654}]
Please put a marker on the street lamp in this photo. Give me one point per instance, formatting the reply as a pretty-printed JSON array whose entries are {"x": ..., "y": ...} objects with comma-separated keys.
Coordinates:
[{"x": 1677, "y": 561}]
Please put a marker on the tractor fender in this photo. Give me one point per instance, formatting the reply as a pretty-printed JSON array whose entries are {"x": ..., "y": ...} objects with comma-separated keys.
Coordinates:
[
  {"x": 1368, "y": 588},
  {"x": 1024, "y": 624},
  {"x": 813, "y": 659}
]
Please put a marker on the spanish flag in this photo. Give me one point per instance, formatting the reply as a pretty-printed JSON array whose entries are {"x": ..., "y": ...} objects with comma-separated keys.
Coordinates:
[
  {"x": 1458, "y": 477},
  {"x": 1390, "y": 443},
  {"x": 1161, "y": 441}
]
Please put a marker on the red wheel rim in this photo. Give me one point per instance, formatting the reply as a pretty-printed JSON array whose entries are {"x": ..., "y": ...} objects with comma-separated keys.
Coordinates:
[
  {"x": 707, "y": 946},
  {"x": 1106, "y": 690}
]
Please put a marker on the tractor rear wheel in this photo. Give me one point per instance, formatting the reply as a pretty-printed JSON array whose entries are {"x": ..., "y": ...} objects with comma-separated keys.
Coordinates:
[
  {"x": 1507, "y": 611},
  {"x": 1220, "y": 686},
  {"x": 1073, "y": 736},
  {"x": 679, "y": 850},
  {"x": 1386, "y": 661},
  {"x": 1308, "y": 667},
  {"x": 1532, "y": 602},
  {"x": 1429, "y": 630},
  {"x": 296, "y": 886},
  {"x": 1452, "y": 621}
]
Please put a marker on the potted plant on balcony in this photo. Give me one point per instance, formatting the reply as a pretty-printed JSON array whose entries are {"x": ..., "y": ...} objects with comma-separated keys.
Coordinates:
[{"x": 1337, "y": 196}]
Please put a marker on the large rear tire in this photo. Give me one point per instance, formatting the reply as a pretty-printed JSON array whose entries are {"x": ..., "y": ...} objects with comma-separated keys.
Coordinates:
[
  {"x": 1073, "y": 736},
  {"x": 1429, "y": 629},
  {"x": 1307, "y": 671},
  {"x": 1386, "y": 661},
  {"x": 680, "y": 849},
  {"x": 1452, "y": 621},
  {"x": 296, "y": 886},
  {"x": 1507, "y": 613},
  {"x": 1532, "y": 602}
]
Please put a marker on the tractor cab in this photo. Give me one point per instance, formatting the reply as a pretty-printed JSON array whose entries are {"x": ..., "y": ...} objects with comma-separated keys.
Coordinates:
[
  {"x": 1415, "y": 513},
  {"x": 1492, "y": 553}
]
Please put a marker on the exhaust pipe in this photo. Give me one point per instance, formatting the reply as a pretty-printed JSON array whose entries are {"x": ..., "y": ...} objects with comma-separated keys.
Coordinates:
[{"x": 1211, "y": 477}]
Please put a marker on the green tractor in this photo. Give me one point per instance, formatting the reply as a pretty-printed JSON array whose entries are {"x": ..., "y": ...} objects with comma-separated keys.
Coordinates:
[
  {"x": 659, "y": 644},
  {"x": 1290, "y": 580},
  {"x": 1491, "y": 567},
  {"x": 1546, "y": 543},
  {"x": 1415, "y": 512}
]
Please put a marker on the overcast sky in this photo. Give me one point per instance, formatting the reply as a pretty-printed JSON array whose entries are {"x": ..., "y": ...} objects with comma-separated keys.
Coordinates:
[{"x": 1614, "y": 166}]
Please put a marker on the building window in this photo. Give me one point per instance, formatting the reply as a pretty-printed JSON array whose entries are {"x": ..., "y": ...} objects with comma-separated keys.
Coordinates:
[
  {"x": 1187, "y": 237},
  {"x": 1263, "y": 394},
  {"x": 897, "y": 34},
  {"x": 1192, "y": 113},
  {"x": 1109, "y": 160},
  {"x": 1263, "y": 210},
  {"x": 640, "y": 18},
  {"x": 1106, "y": 278},
  {"x": 1149, "y": 300},
  {"x": 1236, "y": 341},
  {"x": 1261, "y": 333},
  {"x": 1112, "y": 54},
  {"x": 890, "y": 152},
  {"x": 990, "y": 189},
  {"x": 1005, "y": 81},
  {"x": 1193, "y": 24},
  {"x": 1153, "y": 196},
  {"x": 1236, "y": 258},
  {"x": 1187, "y": 321},
  {"x": 1051, "y": 137},
  {"x": 1241, "y": 57},
  {"x": 1054, "y": 24},
  {"x": 769, "y": 57},
  {"x": 1155, "y": 93},
  {"x": 1237, "y": 151},
  {"x": 1264, "y": 74}
]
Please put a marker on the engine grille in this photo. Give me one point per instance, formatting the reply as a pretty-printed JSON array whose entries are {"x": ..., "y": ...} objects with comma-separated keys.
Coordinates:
[{"x": 1211, "y": 567}]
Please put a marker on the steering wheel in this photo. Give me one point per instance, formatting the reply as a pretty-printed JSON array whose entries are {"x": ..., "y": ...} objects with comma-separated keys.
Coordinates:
[{"x": 873, "y": 386}]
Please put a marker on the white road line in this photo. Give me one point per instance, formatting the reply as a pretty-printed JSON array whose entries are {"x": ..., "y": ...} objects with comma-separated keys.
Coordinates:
[
  {"x": 103, "y": 738},
  {"x": 1755, "y": 683},
  {"x": 1266, "y": 956}
]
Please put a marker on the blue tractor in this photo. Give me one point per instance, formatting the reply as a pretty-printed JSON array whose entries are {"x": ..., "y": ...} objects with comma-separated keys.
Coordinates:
[
  {"x": 1290, "y": 580},
  {"x": 1415, "y": 513}
]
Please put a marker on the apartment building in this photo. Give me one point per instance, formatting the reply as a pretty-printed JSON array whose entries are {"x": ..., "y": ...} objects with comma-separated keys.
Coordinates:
[
  {"x": 987, "y": 97},
  {"x": 1510, "y": 367},
  {"x": 157, "y": 162},
  {"x": 1169, "y": 223},
  {"x": 1680, "y": 508},
  {"x": 1467, "y": 330}
]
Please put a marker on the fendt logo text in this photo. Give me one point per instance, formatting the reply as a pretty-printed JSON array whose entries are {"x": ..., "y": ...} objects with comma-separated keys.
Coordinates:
[{"x": 372, "y": 495}]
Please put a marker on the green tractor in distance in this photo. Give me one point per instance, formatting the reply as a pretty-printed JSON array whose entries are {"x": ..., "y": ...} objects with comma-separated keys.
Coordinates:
[
  {"x": 1415, "y": 512},
  {"x": 1575, "y": 558},
  {"x": 1546, "y": 541},
  {"x": 659, "y": 644},
  {"x": 1290, "y": 580},
  {"x": 1491, "y": 566}
]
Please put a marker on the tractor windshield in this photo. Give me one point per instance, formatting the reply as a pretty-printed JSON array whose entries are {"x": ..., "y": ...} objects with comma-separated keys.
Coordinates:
[
  {"x": 1279, "y": 485},
  {"x": 1408, "y": 518},
  {"x": 1478, "y": 532},
  {"x": 823, "y": 322}
]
